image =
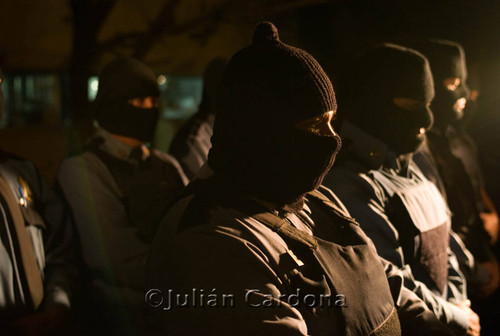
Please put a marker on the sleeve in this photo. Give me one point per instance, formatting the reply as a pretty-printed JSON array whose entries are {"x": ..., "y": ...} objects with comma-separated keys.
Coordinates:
[
  {"x": 365, "y": 203},
  {"x": 414, "y": 316},
  {"x": 476, "y": 274},
  {"x": 61, "y": 273},
  {"x": 191, "y": 144},
  {"x": 111, "y": 247},
  {"x": 220, "y": 263}
]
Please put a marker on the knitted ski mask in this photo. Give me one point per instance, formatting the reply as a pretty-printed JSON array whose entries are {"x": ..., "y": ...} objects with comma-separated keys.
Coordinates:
[
  {"x": 121, "y": 80},
  {"x": 382, "y": 74},
  {"x": 447, "y": 60},
  {"x": 267, "y": 88}
]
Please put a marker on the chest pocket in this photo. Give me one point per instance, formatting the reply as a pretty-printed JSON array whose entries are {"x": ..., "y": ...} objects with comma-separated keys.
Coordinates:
[
  {"x": 422, "y": 218},
  {"x": 329, "y": 280}
]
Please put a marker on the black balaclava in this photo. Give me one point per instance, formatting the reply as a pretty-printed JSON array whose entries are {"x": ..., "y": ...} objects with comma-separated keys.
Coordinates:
[
  {"x": 267, "y": 88},
  {"x": 447, "y": 60},
  {"x": 383, "y": 73},
  {"x": 121, "y": 80}
]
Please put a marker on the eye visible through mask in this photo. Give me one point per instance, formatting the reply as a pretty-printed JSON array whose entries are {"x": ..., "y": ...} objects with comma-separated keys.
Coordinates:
[
  {"x": 320, "y": 125},
  {"x": 452, "y": 83},
  {"x": 144, "y": 102}
]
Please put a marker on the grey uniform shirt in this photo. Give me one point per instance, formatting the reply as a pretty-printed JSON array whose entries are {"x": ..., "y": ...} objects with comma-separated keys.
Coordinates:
[
  {"x": 353, "y": 182},
  {"x": 111, "y": 245}
]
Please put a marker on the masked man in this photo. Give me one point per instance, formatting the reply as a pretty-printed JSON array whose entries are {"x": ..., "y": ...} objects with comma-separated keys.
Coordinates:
[
  {"x": 118, "y": 190},
  {"x": 397, "y": 207},
  {"x": 261, "y": 232},
  {"x": 452, "y": 155},
  {"x": 37, "y": 254}
]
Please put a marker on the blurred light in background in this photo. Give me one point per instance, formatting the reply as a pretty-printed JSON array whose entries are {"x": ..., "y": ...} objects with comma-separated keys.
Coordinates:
[
  {"x": 93, "y": 85},
  {"x": 179, "y": 95},
  {"x": 162, "y": 80}
]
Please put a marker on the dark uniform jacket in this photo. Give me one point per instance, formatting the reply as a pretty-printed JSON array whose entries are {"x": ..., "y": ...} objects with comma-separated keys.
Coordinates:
[
  {"x": 223, "y": 264},
  {"x": 44, "y": 251},
  {"x": 407, "y": 219},
  {"x": 466, "y": 223},
  {"x": 117, "y": 196},
  {"x": 462, "y": 185}
]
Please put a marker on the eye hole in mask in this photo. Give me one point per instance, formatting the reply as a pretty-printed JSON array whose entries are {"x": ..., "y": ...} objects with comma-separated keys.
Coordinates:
[
  {"x": 144, "y": 102},
  {"x": 320, "y": 125},
  {"x": 409, "y": 104},
  {"x": 452, "y": 83}
]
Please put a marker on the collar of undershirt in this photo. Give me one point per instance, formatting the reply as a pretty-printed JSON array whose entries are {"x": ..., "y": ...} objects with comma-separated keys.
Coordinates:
[{"x": 117, "y": 148}]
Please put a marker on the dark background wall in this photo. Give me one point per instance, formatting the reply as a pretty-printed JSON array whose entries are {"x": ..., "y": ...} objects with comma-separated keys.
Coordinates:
[{"x": 42, "y": 37}]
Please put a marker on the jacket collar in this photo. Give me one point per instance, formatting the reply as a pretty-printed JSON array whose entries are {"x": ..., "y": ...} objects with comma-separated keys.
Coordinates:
[
  {"x": 368, "y": 150},
  {"x": 118, "y": 148}
]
